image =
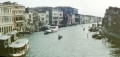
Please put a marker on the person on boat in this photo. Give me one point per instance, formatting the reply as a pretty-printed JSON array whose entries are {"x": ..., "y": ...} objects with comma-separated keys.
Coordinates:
[{"x": 59, "y": 37}]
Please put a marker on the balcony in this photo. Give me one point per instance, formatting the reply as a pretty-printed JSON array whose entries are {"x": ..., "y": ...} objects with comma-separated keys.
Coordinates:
[
  {"x": 19, "y": 14},
  {"x": 5, "y": 14},
  {"x": 6, "y": 23},
  {"x": 19, "y": 21},
  {"x": 77, "y": 17}
]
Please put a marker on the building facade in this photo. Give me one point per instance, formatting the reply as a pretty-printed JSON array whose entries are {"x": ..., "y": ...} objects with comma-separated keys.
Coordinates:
[
  {"x": 18, "y": 13},
  {"x": 89, "y": 19},
  {"x": 57, "y": 17},
  {"x": 44, "y": 17},
  {"x": 6, "y": 24},
  {"x": 68, "y": 14}
]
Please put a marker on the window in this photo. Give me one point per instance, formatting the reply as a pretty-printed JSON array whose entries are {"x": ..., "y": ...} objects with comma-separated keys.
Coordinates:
[
  {"x": 20, "y": 18},
  {"x": 16, "y": 7},
  {"x": 20, "y": 11},
  {"x": 10, "y": 10},
  {"x": 29, "y": 15},
  {"x": 16, "y": 19},
  {"x": 55, "y": 13},
  {"x": 6, "y": 19},
  {"x": 55, "y": 17},
  {"x": 0, "y": 19},
  {"x": 0, "y": 29},
  {"x": 29, "y": 20},
  {"x": 60, "y": 14},
  {"x": 16, "y": 12},
  {"x": 42, "y": 18},
  {"x": 60, "y": 17}
]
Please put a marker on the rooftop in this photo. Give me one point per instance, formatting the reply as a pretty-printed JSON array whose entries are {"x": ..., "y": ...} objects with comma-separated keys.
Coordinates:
[
  {"x": 5, "y": 37},
  {"x": 18, "y": 43},
  {"x": 13, "y": 32}
]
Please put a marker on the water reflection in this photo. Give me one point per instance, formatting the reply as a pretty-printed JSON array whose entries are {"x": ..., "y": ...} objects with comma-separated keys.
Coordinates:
[{"x": 113, "y": 46}]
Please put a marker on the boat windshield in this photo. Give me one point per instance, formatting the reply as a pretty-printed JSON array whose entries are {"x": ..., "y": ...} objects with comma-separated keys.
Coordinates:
[{"x": 14, "y": 50}]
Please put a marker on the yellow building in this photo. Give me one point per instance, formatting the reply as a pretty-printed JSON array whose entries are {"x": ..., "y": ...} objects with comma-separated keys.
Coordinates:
[
  {"x": 11, "y": 17},
  {"x": 18, "y": 13}
]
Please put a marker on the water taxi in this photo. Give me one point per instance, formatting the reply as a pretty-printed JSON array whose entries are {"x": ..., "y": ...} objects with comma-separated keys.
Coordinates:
[
  {"x": 18, "y": 48},
  {"x": 14, "y": 35},
  {"x": 5, "y": 41}
]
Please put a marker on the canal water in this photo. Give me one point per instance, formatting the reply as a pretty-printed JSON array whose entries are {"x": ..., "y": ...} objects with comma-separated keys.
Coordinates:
[{"x": 75, "y": 43}]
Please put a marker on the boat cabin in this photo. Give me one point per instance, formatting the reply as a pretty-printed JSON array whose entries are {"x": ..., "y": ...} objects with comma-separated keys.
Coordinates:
[
  {"x": 14, "y": 35},
  {"x": 20, "y": 47},
  {"x": 5, "y": 41}
]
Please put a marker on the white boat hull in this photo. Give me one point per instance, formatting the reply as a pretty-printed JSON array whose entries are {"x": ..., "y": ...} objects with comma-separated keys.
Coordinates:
[
  {"x": 48, "y": 31},
  {"x": 21, "y": 54},
  {"x": 54, "y": 30}
]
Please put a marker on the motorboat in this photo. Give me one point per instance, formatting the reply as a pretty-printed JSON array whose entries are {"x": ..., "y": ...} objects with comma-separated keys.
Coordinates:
[
  {"x": 54, "y": 28},
  {"x": 48, "y": 31},
  {"x": 5, "y": 41},
  {"x": 99, "y": 36},
  {"x": 18, "y": 48},
  {"x": 51, "y": 29}
]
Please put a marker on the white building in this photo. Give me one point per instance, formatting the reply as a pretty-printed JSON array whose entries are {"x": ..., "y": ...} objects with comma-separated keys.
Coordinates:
[
  {"x": 57, "y": 16},
  {"x": 6, "y": 23},
  {"x": 29, "y": 18},
  {"x": 43, "y": 16}
]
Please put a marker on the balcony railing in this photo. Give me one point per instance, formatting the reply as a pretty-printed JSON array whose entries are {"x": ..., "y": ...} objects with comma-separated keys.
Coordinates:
[
  {"x": 6, "y": 23},
  {"x": 5, "y": 14},
  {"x": 19, "y": 21}
]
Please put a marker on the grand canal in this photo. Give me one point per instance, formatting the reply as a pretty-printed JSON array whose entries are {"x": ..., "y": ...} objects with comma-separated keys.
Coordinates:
[{"x": 75, "y": 43}]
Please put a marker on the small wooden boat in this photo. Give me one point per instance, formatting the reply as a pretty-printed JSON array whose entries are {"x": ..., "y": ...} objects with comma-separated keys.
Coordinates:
[{"x": 59, "y": 37}]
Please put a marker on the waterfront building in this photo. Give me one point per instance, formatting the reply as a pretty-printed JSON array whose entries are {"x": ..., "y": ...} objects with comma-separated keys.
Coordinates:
[
  {"x": 111, "y": 19},
  {"x": 30, "y": 18},
  {"x": 18, "y": 13},
  {"x": 89, "y": 19},
  {"x": 68, "y": 14},
  {"x": 57, "y": 16},
  {"x": 43, "y": 17},
  {"x": 77, "y": 18},
  {"x": 49, "y": 9},
  {"x": 6, "y": 22}
]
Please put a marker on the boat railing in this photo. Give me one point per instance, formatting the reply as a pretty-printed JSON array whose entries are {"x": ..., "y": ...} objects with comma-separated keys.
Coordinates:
[{"x": 18, "y": 47}]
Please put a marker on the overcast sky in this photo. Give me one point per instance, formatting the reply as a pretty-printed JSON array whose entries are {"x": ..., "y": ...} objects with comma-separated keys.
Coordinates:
[{"x": 86, "y": 7}]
